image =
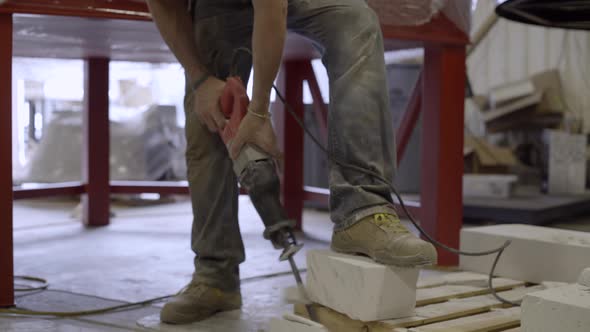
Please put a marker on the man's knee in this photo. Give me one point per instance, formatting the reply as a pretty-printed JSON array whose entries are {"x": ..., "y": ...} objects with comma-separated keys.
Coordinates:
[
  {"x": 356, "y": 36},
  {"x": 359, "y": 20}
]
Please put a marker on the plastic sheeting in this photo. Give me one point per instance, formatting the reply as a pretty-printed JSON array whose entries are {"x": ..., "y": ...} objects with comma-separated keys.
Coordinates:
[
  {"x": 149, "y": 146},
  {"x": 418, "y": 12}
]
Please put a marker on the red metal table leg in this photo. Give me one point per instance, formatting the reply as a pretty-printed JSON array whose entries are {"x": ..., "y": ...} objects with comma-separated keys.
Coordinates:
[
  {"x": 290, "y": 135},
  {"x": 6, "y": 250},
  {"x": 442, "y": 145},
  {"x": 95, "y": 162}
]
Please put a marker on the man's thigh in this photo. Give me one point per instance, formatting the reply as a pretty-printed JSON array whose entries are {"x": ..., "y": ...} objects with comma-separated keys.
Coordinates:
[
  {"x": 224, "y": 43},
  {"x": 329, "y": 21}
]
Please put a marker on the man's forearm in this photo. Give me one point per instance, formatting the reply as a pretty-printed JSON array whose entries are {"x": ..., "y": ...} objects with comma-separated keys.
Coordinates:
[
  {"x": 174, "y": 22},
  {"x": 270, "y": 27}
]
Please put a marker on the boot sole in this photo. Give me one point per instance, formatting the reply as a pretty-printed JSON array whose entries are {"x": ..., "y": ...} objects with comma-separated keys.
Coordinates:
[
  {"x": 411, "y": 261},
  {"x": 180, "y": 318}
]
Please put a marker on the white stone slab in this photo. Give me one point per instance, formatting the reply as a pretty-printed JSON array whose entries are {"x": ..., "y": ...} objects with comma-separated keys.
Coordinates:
[
  {"x": 359, "y": 287},
  {"x": 292, "y": 323},
  {"x": 584, "y": 278},
  {"x": 536, "y": 254},
  {"x": 558, "y": 309}
]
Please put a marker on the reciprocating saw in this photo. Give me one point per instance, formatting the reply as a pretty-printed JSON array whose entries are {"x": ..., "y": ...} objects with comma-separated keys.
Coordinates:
[{"x": 256, "y": 172}]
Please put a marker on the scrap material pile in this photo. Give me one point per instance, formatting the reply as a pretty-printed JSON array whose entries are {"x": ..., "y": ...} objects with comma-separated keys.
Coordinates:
[{"x": 522, "y": 133}]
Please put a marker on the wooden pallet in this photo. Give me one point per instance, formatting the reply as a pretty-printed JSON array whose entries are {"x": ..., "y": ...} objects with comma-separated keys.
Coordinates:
[{"x": 455, "y": 302}]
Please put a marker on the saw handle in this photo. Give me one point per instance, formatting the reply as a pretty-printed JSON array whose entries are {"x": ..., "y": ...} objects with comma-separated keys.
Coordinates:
[{"x": 234, "y": 103}]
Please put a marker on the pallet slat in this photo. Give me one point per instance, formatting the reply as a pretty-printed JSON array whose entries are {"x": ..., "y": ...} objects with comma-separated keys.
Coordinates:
[
  {"x": 425, "y": 296},
  {"x": 495, "y": 320},
  {"x": 458, "y": 308},
  {"x": 454, "y": 278}
]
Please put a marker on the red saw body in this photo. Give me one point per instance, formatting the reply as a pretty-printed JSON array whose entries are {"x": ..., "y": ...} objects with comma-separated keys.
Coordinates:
[{"x": 234, "y": 105}]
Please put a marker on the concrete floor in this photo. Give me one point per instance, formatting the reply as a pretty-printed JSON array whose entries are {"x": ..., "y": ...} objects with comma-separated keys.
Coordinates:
[{"x": 144, "y": 253}]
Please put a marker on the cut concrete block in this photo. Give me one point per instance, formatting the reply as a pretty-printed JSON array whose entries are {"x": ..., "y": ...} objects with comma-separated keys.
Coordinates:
[
  {"x": 558, "y": 309},
  {"x": 292, "y": 323},
  {"x": 536, "y": 254},
  {"x": 584, "y": 278},
  {"x": 359, "y": 287}
]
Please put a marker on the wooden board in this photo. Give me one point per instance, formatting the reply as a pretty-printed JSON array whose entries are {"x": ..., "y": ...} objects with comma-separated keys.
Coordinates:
[
  {"x": 434, "y": 313},
  {"x": 425, "y": 296}
]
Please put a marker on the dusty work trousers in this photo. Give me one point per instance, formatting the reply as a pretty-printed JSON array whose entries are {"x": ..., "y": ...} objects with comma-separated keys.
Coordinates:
[{"x": 348, "y": 34}]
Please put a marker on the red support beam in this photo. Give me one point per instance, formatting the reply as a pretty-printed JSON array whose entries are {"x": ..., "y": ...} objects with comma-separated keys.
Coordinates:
[
  {"x": 439, "y": 30},
  {"x": 290, "y": 135},
  {"x": 95, "y": 162},
  {"x": 120, "y": 9},
  {"x": 6, "y": 249},
  {"x": 442, "y": 145},
  {"x": 409, "y": 120}
]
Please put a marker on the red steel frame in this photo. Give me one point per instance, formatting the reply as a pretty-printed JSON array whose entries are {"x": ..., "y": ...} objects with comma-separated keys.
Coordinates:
[
  {"x": 438, "y": 97},
  {"x": 95, "y": 169},
  {"x": 6, "y": 258}
]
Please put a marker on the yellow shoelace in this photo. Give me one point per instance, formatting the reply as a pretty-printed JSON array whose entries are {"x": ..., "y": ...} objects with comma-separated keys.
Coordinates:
[{"x": 387, "y": 220}]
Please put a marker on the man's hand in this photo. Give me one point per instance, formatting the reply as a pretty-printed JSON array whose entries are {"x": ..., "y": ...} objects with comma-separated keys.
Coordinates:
[
  {"x": 257, "y": 131},
  {"x": 206, "y": 104}
]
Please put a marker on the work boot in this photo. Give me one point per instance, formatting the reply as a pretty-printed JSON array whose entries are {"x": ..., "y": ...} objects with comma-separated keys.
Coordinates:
[
  {"x": 197, "y": 302},
  {"x": 383, "y": 238}
]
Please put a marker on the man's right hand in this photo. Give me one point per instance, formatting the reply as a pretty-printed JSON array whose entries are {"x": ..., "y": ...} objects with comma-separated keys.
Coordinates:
[{"x": 206, "y": 104}]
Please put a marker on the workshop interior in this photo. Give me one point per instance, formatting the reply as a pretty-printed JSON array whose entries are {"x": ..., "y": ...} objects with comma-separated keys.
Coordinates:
[{"x": 295, "y": 165}]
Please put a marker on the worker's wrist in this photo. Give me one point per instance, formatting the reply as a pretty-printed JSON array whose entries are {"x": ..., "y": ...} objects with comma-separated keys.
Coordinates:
[
  {"x": 194, "y": 71},
  {"x": 259, "y": 109},
  {"x": 260, "y": 104},
  {"x": 195, "y": 84},
  {"x": 261, "y": 114}
]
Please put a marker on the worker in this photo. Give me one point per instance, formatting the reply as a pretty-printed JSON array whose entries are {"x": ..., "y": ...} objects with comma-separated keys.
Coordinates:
[{"x": 208, "y": 37}]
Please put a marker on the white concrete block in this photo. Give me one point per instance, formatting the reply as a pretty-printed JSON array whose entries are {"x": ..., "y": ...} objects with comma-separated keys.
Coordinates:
[
  {"x": 584, "y": 278},
  {"x": 292, "y": 323},
  {"x": 536, "y": 254},
  {"x": 565, "y": 308},
  {"x": 359, "y": 287}
]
